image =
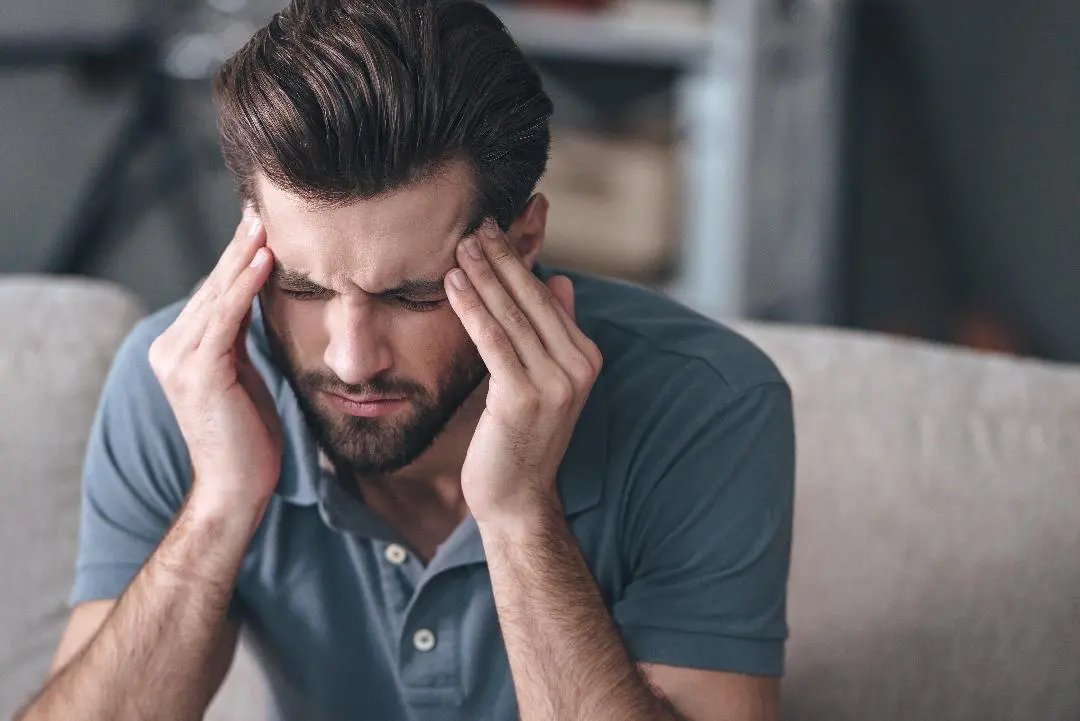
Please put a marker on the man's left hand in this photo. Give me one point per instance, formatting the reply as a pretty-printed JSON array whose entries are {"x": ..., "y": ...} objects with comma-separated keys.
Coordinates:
[{"x": 541, "y": 366}]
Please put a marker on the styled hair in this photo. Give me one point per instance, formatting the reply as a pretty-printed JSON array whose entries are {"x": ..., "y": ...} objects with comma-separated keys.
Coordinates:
[{"x": 345, "y": 100}]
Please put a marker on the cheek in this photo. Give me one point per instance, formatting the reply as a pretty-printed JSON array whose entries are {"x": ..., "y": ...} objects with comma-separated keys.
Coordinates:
[
  {"x": 429, "y": 341},
  {"x": 300, "y": 327}
]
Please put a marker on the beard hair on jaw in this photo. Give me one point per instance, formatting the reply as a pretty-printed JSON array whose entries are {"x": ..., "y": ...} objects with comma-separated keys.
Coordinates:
[{"x": 363, "y": 446}]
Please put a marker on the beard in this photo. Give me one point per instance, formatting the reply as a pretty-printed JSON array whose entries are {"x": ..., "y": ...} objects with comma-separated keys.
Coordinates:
[{"x": 365, "y": 446}]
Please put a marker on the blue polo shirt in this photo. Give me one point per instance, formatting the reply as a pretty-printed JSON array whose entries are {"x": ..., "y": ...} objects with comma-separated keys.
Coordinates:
[{"x": 677, "y": 485}]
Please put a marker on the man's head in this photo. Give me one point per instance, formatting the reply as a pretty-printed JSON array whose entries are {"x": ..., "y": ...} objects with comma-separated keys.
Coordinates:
[{"x": 371, "y": 136}]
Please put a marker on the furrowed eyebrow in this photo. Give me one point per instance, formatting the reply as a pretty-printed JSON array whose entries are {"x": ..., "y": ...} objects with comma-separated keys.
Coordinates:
[
  {"x": 416, "y": 287},
  {"x": 281, "y": 274}
]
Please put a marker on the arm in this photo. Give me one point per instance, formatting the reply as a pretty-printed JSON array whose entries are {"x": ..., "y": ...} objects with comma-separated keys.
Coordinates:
[
  {"x": 164, "y": 647},
  {"x": 88, "y": 618},
  {"x": 566, "y": 656},
  {"x": 704, "y": 694},
  {"x": 163, "y": 650}
]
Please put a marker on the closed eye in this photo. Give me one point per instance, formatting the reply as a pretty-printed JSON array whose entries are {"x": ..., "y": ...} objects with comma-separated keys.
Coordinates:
[
  {"x": 418, "y": 306},
  {"x": 312, "y": 293},
  {"x": 317, "y": 293}
]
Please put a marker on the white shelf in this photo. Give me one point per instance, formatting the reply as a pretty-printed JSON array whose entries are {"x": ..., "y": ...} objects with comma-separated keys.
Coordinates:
[
  {"x": 606, "y": 36},
  {"x": 733, "y": 99}
]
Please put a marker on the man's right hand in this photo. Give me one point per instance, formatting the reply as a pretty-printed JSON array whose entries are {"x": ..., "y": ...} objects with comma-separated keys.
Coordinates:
[{"x": 224, "y": 410}]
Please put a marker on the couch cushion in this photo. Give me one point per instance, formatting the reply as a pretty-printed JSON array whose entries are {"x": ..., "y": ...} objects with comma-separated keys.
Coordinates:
[
  {"x": 937, "y": 523},
  {"x": 937, "y": 515},
  {"x": 59, "y": 337}
]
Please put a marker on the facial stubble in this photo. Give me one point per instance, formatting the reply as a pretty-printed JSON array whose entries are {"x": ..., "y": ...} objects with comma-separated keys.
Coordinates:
[{"x": 364, "y": 446}]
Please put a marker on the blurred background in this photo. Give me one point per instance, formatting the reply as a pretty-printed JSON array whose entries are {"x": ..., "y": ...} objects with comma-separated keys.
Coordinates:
[{"x": 909, "y": 166}]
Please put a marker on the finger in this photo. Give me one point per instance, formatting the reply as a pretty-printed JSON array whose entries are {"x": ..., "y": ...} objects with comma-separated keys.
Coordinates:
[
  {"x": 240, "y": 345},
  {"x": 491, "y": 339},
  {"x": 195, "y": 317},
  {"x": 231, "y": 309},
  {"x": 563, "y": 290},
  {"x": 248, "y": 237},
  {"x": 503, "y": 307},
  {"x": 252, "y": 381},
  {"x": 536, "y": 300}
]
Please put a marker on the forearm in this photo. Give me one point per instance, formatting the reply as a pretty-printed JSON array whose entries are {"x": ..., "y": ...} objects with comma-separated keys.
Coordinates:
[
  {"x": 155, "y": 656},
  {"x": 566, "y": 656}
]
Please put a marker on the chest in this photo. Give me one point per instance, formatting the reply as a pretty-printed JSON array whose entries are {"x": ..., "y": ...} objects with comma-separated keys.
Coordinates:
[
  {"x": 421, "y": 532},
  {"x": 352, "y": 627}
]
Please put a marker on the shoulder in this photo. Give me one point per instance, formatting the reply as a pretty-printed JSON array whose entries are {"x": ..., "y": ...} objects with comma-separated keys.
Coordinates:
[
  {"x": 136, "y": 348},
  {"x": 684, "y": 397},
  {"x": 136, "y": 450},
  {"x": 650, "y": 341}
]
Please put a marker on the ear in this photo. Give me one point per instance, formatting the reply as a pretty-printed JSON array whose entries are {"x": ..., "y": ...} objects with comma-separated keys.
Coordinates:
[{"x": 526, "y": 234}]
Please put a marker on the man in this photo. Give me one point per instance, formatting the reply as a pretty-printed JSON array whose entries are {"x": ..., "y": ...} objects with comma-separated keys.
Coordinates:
[{"x": 379, "y": 440}]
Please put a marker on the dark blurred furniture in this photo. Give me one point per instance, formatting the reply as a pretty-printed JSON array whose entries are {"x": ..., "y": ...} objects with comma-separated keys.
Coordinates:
[
  {"x": 112, "y": 198},
  {"x": 906, "y": 270}
]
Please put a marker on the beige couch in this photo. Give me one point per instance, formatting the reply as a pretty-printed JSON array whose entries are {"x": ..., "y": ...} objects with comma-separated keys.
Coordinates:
[{"x": 936, "y": 571}]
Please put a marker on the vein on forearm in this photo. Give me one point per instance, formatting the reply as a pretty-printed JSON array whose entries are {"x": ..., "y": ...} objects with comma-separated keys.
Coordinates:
[{"x": 566, "y": 656}]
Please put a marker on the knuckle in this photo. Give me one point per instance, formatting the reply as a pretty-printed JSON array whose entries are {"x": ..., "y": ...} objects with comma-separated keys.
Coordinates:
[
  {"x": 156, "y": 355},
  {"x": 219, "y": 318},
  {"x": 595, "y": 357},
  {"x": 492, "y": 335},
  {"x": 471, "y": 302},
  {"x": 582, "y": 369},
  {"x": 515, "y": 319},
  {"x": 591, "y": 354},
  {"x": 498, "y": 252},
  {"x": 199, "y": 286},
  {"x": 483, "y": 273},
  {"x": 542, "y": 296},
  {"x": 210, "y": 290},
  {"x": 525, "y": 401},
  {"x": 560, "y": 391},
  {"x": 162, "y": 357}
]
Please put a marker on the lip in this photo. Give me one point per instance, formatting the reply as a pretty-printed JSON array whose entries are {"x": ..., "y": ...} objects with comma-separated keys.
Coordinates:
[{"x": 366, "y": 407}]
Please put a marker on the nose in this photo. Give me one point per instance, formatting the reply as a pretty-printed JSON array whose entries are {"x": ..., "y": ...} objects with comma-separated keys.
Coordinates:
[{"x": 358, "y": 349}]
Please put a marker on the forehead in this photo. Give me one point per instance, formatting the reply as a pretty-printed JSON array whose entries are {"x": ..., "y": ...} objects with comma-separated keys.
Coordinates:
[{"x": 371, "y": 244}]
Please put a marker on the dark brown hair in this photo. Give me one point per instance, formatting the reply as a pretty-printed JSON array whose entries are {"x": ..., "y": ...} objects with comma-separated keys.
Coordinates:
[{"x": 344, "y": 100}]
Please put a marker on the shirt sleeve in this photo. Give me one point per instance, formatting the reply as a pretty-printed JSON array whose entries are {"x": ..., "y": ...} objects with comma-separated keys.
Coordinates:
[
  {"x": 135, "y": 473},
  {"x": 707, "y": 535}
]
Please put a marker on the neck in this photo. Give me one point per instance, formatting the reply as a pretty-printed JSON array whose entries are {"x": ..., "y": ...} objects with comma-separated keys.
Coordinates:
[
  {"x": 446, "y": 455},
  {"x": 423, "y": 501}
]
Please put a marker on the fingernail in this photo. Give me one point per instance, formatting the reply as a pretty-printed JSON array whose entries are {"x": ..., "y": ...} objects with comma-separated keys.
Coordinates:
[
  {"x": 473, "y": 248},
  {"x": 260, "y": 256},
  {"x": 490, "y": 228},
  {"x": 459, "y": 279},
  {"x": 254, "y": 224}
]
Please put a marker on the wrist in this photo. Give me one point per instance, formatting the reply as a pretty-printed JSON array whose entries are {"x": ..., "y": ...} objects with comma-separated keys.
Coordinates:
[
  {"x": 207, "y": 542},
  {"x": 526, "y": 522},
  {"x": 221, "y": 514}
]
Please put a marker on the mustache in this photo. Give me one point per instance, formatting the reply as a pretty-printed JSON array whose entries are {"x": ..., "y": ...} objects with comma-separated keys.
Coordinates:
[{"x": 375, "y": 386}]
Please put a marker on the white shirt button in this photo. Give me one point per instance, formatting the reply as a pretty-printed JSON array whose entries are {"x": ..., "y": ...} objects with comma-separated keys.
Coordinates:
[
  {"x": 396, "y": 554},
  {"x": 423, "y": 640}
]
